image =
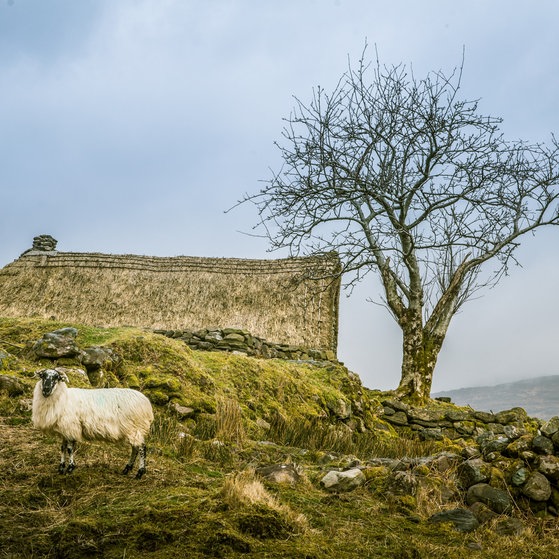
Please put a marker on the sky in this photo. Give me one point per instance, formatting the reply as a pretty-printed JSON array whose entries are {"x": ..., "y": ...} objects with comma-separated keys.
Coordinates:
[{"x": 130, "y": 127}]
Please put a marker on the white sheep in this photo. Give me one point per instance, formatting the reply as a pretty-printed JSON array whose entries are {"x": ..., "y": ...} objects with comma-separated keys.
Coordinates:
[{"x": 77, "y": 414}]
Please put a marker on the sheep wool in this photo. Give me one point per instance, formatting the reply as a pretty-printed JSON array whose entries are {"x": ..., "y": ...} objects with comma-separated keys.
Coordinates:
[{"x": 77, "y": 414}]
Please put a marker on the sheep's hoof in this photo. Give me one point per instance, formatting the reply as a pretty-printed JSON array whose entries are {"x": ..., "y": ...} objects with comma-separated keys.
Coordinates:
[
  {"x": 140, "y": 473},
  {"x": 61, "y": 468},
  {"x": 127, "y": 469},
  {"x": 71, "y": 468}
]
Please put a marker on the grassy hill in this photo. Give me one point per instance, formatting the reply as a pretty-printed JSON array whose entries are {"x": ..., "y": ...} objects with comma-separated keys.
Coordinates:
[
  {"x": 538, "y": 396},
  {"x": 202, "y": 495}
]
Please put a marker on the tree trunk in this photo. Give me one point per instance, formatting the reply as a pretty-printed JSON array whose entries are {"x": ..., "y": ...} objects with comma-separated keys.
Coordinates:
[{"x": 420, "y": 351}]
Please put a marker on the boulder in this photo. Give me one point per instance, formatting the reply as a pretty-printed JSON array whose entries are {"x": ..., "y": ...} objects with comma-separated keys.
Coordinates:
[
  {"x": 537, "y": 487},
  {"x": 11, "y": 385},
  {"x": 462, "y": 519},
  {"x": 497, "y": 500},
  {"x": 473, "y": 471},
  {"x": 280, "y": 473},
  {"x": 549, "y": 467},
  {"x": 57, "y": 344},
  {"x": 341, "y": 482},
  {"x": 549, "y": 428},
  {"x": 510, "y": 527},
  {"x": 542, "y": 445},
  {"x": 94, "y": 358}
]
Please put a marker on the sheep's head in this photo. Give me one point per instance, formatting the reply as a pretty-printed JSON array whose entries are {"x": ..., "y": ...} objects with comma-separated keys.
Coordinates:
[{"x": 50, "y": 378}]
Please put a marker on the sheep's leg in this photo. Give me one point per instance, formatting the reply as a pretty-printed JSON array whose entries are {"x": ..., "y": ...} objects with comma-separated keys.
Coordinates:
[
  {"x": 142, "y": 468},
  {"x": 130, "y": 465},
  {"x": 62, "y": 465},
  {"x": 67, "y": 448},
  {"x": 71, "y": 445}
]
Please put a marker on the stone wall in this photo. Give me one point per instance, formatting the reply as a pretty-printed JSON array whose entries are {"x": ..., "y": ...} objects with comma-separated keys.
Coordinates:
[
  {"x": 241, "y": 341},
  {"x": 508, "y": 460}
]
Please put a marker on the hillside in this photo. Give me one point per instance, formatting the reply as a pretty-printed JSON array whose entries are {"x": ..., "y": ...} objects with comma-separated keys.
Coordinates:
[
  {"x": 538, "y": 396},
  {"x": 251, "y": 458}
]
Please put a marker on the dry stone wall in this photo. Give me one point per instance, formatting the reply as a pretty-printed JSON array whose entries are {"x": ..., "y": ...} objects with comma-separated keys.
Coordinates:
[
  {"x": 241, "y": 341},
  {"x": 509, "y": 460}
]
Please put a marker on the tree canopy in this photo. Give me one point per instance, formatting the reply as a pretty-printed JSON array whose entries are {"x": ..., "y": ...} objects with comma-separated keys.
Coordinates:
[{"x": 402, "y": 177}]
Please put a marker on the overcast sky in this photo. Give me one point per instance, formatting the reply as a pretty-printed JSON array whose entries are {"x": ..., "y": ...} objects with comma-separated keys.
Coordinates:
[{"x": 129, "y": 127}]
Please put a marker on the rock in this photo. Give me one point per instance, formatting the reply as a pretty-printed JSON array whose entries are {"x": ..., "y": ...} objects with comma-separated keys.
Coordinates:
[
  {"x": 514, "y": 415},
  {"x": 57, "y": 344},
  {"x": 522, "y": 444},
  {"x": 399, "y": 418},
  {"x": 497, "y": 500},
  {"x": 482, "y": 512},
  {"x": 395, "y": 404},
  {"x": 340, "y": 408},
  {"x": 484, "y": 416},
  {"x": 341, "y": 482},
  {"x": 549, "y": 428},
  {"x": 462, "y": 519},
  {"x": 93, "y": 358},
  {"x": 425, "y": 415},
  {"x": 520, "y": 476},
  {"x": 542, "y": 445},
  {"x": 510, "y": 527},
  {"x": 402, "y": 483},
  {"x": 491, "y": 444},
  {"x": 11, "y": 385},
  {"x": 537, "y": 487},
  {"x": 183, "y": 412},
  {"x": 280, "y": 473},
  {"x": 549, "y": 467},
  {"x": 473, "y": 471}
]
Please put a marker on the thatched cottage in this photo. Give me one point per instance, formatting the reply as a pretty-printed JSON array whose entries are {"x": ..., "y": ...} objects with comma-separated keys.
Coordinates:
[{"x": 293, "y": 301}]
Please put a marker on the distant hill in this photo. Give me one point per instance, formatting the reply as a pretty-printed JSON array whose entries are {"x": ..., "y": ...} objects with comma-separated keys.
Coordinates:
[{"x": 538, "y": 396}]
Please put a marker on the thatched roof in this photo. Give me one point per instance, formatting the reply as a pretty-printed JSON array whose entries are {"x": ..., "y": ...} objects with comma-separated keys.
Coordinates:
[{"x": 293, "y": 301}]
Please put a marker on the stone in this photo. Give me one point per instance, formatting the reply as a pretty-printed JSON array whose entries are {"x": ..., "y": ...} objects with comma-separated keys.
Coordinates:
[
  {"x": 340, "y": 408},
  {"x": 402, "y": 483},
  {"x": 182, "y": 411},
  {"x": 494, "y": 444},
  {"x": 520, "y": 476},
  {"x": 549, "y": 428},
  {"x": 398, "y": 418},
  {"x": 462, "y": 519},
  {"x": 11, "y": 385},
  {"x": 395, "y": 404},
  {"x": 522, "y": 444},
  {"x": 542, "y": 445},
  {"x": 44, "y": 243},
  {"x": 537, "y": 487},
  {"x": 57, "y": 344},
  {"x": 510, "y": 527},
  {"x": 473, "y": 471},
  {"x": 482, "y": 512},
  {"x": 484, "y": 416},
  {"x": 93, "y": 358},
  {"x": 549, "y": 467},
  {"x": 425, "y": 415},
  {"x": 456, "y": 415},
  {"x": 514, "y": 415},
  {"x": 280, "y": 473},
  {"x": 497, "y": 500},
  {"x": 341, "y": 482}
]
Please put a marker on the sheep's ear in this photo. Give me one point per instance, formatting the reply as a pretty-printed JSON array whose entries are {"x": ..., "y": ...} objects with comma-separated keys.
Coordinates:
[
  {"x": 39, "y": 374},
  {"x": 63, "y": 377}
]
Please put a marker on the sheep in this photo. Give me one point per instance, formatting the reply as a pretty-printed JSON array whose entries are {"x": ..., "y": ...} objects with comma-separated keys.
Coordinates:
[{"x": 110, "y": 414}]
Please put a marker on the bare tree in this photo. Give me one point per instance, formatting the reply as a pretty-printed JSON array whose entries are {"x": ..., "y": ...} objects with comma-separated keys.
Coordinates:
[{"x": 402, "y": 177}]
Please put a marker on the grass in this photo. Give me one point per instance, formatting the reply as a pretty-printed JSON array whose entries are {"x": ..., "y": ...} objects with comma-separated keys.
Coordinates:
[{"x": 201, "y": 497}]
